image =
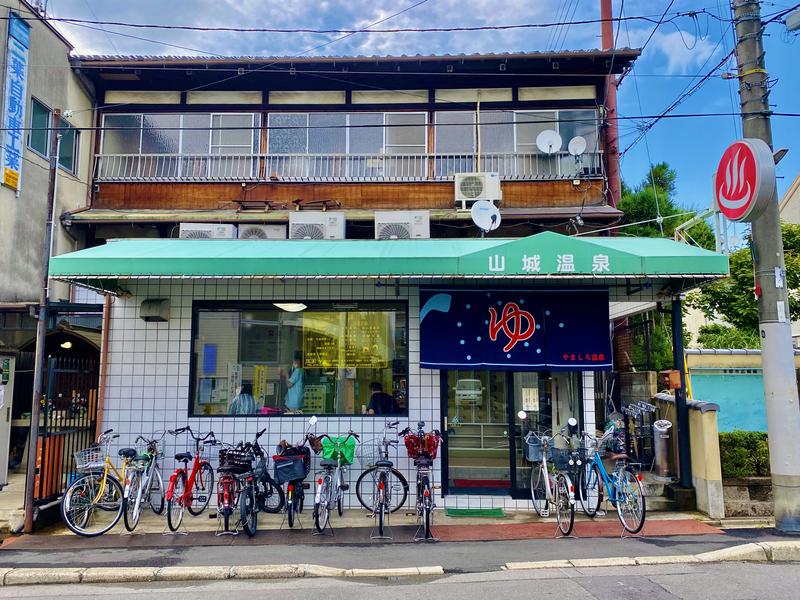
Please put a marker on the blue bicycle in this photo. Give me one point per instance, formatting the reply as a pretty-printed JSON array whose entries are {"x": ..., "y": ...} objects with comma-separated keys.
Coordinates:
[{"x": 624, "y": 485}]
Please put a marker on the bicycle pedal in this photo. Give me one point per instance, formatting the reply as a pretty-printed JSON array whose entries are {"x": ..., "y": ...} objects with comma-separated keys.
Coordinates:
[{"x": 546, "y": 513}]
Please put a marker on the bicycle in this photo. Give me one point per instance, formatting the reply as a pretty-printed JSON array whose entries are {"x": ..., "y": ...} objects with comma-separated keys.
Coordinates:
[
  {"x": 291, "y": 466},
  {"x": 190, "y": 490},
  {"x": 337, "y": 454},
  {"x": 422, "y": 449},
  {"x": 387, "y": 482},
  {"x": 551, "y": 484},
  {"x": 624, "y": 485},
  {"x": 259, "y": 492},
  {"x": 98, "y": 491},
  {"x": 235, "y": 464},
  {"x": 144, "y": 484}
]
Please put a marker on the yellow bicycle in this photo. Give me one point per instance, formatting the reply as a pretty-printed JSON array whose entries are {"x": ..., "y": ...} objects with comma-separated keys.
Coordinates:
[{"x": 93, "y": 504}]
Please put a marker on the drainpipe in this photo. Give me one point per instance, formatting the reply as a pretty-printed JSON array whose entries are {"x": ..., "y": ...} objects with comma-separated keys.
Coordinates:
[
  {"x": 101, "y": 385},
  {"x": 612, "y": 130},
  {"x": 679, "y": 363}
]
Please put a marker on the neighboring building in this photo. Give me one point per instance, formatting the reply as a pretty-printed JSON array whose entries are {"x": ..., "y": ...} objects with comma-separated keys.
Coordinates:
[{"x": 790, "y": 203}]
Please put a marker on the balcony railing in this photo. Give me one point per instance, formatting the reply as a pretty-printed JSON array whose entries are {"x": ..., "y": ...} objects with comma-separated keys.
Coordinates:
[{"x": 340, "y": 167}]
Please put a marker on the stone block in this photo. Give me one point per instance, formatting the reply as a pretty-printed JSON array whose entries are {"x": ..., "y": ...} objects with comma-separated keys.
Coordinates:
[
  {"x": 267, "y": 572},
  {"x": 118, "y": 574},
  {"x": 193, "y": 573},
  {"x": 42, "y": 576},
  {"x": 742, "y": 552}
]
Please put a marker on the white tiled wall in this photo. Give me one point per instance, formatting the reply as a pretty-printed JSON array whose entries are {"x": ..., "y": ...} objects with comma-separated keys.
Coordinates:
[{"x": 147, "y": 387}]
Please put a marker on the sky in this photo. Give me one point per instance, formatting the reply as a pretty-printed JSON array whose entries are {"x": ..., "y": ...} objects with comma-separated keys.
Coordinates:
[{"x": 678, "y": 51}]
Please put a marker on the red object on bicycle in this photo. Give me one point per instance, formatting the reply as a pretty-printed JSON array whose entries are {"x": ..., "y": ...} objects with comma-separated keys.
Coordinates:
[{"x": 426, "y": 446}]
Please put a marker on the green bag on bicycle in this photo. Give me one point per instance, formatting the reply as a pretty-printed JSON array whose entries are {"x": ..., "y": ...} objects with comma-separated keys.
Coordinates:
[{"x": 337, "y": 448}]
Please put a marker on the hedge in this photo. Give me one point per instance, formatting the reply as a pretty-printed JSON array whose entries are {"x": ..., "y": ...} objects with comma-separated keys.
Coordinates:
[{"x": 744, "y": 454}]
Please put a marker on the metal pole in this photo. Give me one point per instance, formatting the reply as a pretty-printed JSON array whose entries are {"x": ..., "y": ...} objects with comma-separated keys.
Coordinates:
[
  {"x": 682, "y": 410},
  {"x": 777, "y": 355},
  {"x": 41, "y": 325},
  {"x": 612, "y": 129}
]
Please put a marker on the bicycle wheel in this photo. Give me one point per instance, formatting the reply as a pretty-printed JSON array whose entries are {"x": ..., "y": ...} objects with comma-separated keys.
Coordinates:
[
  {"x": 538, "y": 490},
  {"x": 156, "y": 492},
  {"x": 590, "y": 489},
  {"x": 87, "y": 512},
  {"x": 247, "y": 508},
  {"x": 631, "y": 506},
  {"x": 290, "y": 504},
  {"x": 271, "y": 499},
  {"x": 176, "y": 503},
  {"x": 132, "y": 502},
  {"x": 340, "y": 506},
  {"x": 396, "y": 489},
  {"x": 203, "y": 488},
  {"x": 565, "y": 508},
  {"x": 381, "y": 503},
  {"x": 322, "y": 509},
  {"x": 427, "y": 507}
]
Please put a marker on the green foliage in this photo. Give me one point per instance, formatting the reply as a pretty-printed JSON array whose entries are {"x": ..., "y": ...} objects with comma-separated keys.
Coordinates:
[
  {"x": 725, "y": 336},
  {"x": 744, "y": 454},
  {"x": 660, "y": 341},
  {"x": 639, "y": 204},
  {"x": 732, "y": 298}
]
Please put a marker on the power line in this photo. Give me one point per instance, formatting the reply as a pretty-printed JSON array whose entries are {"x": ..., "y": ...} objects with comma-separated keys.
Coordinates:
[{"x": 650, "y": 37}]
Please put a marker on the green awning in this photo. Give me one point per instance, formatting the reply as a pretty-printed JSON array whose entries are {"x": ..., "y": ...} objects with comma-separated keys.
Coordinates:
[{"x": 544, "y": 255}]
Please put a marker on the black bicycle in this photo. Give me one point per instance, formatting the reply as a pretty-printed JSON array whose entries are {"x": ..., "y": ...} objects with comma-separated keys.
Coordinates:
[
  {"x": 260, "y": 493},
  {"x": 291, "y": 465}
]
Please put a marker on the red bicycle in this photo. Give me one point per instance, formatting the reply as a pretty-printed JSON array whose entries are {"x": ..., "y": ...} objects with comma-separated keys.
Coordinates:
[{"x": 190, "y": 490}]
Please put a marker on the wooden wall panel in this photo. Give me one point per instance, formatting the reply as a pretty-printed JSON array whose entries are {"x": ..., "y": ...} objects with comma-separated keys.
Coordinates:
[{"x": 210, "y": 196}]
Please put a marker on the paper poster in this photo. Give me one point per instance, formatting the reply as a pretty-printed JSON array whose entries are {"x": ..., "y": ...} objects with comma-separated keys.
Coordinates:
[
  {"x": 314, "y": 398},
  {"x": 260, "y": 387},
  {"x": 234, "y": 379},
  {"x": 530, "y": 399}
]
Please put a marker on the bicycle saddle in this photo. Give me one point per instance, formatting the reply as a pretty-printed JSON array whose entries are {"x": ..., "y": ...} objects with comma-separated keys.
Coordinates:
[
  {"x": 622, "y": 456},
  {"x": 183, "y": 457},
  {"x": 384, "y": 463},
  {"x": 328, "y": 463},
  {"x": 127, "y": 452},
  {"x": 423, "y": 462}
]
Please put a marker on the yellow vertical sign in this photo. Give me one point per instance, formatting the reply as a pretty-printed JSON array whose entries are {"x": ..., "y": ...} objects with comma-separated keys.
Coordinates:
[{"x": 260, "y": 383}]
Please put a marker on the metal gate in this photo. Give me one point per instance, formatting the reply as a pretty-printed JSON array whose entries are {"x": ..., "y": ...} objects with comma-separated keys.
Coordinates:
[{"x": 69, "y": 417}]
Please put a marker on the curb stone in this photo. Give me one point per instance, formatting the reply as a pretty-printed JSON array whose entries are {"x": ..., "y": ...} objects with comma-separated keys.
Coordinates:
[
  {"x": 267, "y": 572},
  {"x": 744, "y": 552},
  {"x": 193, "y": 573},
  {"x": 539, "y": 564},
  {"x": 672, "y": 559},
  {"x": 115, "y": 574},
  {"x": 42, "y": 576},
  {"x": 618, "y": 561}
]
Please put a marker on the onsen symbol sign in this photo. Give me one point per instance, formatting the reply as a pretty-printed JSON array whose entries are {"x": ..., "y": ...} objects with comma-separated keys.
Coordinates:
[
  {"x": 745, "y": 180},
  {"x": 517, "y": 324}
]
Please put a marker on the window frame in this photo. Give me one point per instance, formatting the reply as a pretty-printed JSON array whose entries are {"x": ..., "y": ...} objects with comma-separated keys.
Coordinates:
[
  {"x": 46, "y": 153},
  {"x": 75, "y": 148},
  {"x": 268, "y": 304}
]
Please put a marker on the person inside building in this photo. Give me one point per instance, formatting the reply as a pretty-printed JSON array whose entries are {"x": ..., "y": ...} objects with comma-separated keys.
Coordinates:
[
  {"x": 293, "y": 401},
  {"x": 243, "y": 403},
  {"x": 381, "y": 403}
]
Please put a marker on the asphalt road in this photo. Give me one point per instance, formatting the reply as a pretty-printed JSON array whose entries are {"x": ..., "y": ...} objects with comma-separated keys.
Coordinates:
[
  {"x": 723, "y": 581},
  {"x": 455, "y": 557}
]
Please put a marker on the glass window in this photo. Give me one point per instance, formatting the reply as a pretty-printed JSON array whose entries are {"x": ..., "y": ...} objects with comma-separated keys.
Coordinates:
[
  {"x": 196, "y": 135},
  {"x": 236, "y": 140},
  {"x": 68, "y": 150},
  {"x": 161, "y": 134},
  {"x": 578, "y": 122},
  {"x": 497, "y": 131},
  {"x": 405, "y": 133},
  {"x": 366, "y": 133},
  {"x": 455, "y": 132},
  {"x": 327, "y": 133},
  {"x": 39, "y": 135},
  {"x": 288, "y": 133},
  {"x": 530, "y": 125},
  {"x": 291, "y": 357},
  {"x": 121, "y": 134}
]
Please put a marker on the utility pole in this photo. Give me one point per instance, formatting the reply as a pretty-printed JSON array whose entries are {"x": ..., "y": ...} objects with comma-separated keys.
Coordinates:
[
  {"x": 777, "y": 354},
  {"x": 612, "y": 129},
  {"x": 41, "y": 325}
]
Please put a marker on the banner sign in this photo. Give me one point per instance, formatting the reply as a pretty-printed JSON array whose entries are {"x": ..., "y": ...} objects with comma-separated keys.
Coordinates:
[
  {"x": 14, "y": 100},
  {"x": 514, "y": 330}
]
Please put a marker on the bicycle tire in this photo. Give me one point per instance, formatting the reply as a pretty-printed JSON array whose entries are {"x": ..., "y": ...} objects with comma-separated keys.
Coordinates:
[
  {"x": 175, "y": 504},
  {"x": 565, "y": 509},
  {"x": 340, "y": 506},
  {"x": 132, "y": 503},
  {"x": 85, "y": 516},
  {"x": 272, "y": 499},
  {"x": 301, "y": 498},
  {"x": 322, "y": 512},
  {"x": 247, "y": 510},
  {"x": 624, "y": 495},
  {"x": 290, "y": 500},
  {"x": 538, "y": 491},
  {"x": 369, "y": 504},
  {"x": 590, "y": 489},
  {"x": 157, "y": 502},
  {"x": 202, "y": 483},
  {"x": 427, "y": 507},
  {"x": 381, "y": 501}
]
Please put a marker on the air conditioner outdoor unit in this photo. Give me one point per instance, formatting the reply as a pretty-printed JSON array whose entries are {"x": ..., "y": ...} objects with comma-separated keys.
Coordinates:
[
  {"x": 199, "y": 231},
  {"x": 324, "y": 225},
  {"x": 262, "y": 232},
  {"x": 402, "y": 224},
  {"x": 477, "y": 186}
]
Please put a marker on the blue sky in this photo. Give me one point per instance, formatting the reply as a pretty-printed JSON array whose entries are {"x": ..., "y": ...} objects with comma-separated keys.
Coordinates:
[{"x": 677, "y": 50}]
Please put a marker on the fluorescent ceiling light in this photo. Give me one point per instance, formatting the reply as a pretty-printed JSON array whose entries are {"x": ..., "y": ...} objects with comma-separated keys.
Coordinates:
[
  {"x": 291, "y": 306},
  {"x": 66, "y": 345}
]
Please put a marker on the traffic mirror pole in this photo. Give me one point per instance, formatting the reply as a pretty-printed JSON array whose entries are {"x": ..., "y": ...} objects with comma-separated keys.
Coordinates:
[{"x": 777, "y": 353}]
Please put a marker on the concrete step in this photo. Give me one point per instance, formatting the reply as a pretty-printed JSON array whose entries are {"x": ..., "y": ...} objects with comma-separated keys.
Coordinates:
[{"x": 11, "y": 520}]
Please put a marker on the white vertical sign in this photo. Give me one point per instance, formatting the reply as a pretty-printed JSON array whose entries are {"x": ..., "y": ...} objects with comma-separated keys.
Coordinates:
[{"x": 14, "y": 100}]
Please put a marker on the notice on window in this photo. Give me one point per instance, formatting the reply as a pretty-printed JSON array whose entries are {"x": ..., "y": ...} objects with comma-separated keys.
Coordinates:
[
  {"x": 530, "y": 399},
  {"x": 348, "y": 340},
  {"x": 260, "y": 385}
]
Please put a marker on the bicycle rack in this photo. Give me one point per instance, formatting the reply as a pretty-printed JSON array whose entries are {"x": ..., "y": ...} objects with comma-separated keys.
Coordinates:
[
  {"x": 237, "y": 523},
  {"x": 421, "y": 527},
  {"x": 386, "y": 526}
]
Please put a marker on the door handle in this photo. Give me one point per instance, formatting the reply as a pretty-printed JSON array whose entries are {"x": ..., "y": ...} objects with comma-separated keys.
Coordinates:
[{"x": 445, "y": 425}]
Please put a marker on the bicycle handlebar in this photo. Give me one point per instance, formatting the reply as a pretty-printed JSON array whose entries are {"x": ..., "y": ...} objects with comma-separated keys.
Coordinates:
[{"x": 349, "y": 435}]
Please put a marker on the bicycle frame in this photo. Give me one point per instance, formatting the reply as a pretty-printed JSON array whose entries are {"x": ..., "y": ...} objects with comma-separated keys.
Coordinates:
[{"x": 107, "y": 467}]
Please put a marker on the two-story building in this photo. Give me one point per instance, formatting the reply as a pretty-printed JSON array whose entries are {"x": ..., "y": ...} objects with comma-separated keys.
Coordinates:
[{"x": 340, "y": 189}]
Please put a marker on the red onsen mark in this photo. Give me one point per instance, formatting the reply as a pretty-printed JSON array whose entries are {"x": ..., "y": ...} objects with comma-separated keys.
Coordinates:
[{"x": 511, "y": 322}]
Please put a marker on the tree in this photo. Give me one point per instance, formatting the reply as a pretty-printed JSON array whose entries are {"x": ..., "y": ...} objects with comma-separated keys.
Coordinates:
[
  {"x": 717, "y": 335},
  {"x": 732, "y": 298},
  {"x": 658, "y": 189}
]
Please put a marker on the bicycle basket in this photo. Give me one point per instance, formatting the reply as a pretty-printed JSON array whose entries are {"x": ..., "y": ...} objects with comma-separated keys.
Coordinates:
[
  {"x": 559, "y": 458},
  {"x": 426, "y": 447},
  {"x": 235, "y": 460},
  {"x": 534, "y": 449},
  {"x": 289, "y": 468},
  {"x": 336, "y": 447},
  {"x": 91, "y": 458}
]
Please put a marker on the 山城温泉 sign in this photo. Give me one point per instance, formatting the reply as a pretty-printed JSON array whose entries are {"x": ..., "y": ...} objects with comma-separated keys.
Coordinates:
[
  {"x": 14, "y": 100},
  {"x": 515, "y": 330}
]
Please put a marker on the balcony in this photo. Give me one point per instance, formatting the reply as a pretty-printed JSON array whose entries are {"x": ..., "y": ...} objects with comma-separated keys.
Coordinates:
[{"x": 190, "y": 168}]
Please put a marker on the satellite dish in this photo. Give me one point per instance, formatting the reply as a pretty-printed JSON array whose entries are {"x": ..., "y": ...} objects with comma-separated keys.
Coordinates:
[
  {"x": 485, "y": 215},
  {"x": 548, "y": 141},
  {"x": 577, "y": 145}
]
